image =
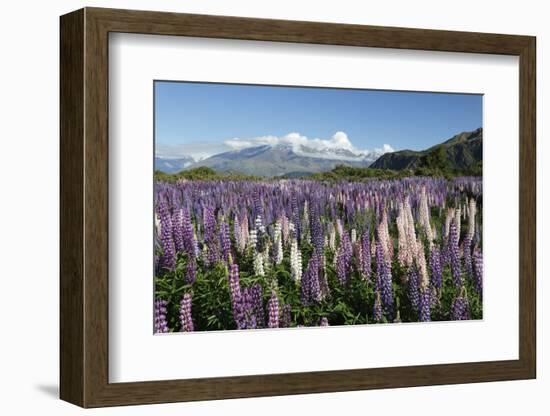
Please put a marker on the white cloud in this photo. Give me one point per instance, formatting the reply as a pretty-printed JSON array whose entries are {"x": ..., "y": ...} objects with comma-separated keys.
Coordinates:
[{"x": 338, "y": 146}]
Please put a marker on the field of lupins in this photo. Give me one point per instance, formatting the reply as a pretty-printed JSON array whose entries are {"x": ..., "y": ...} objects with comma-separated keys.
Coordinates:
[{"x": 291, "y": 253}]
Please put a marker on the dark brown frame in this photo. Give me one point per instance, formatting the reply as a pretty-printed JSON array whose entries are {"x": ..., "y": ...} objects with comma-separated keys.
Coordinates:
[{"x": 84, "y": 209}]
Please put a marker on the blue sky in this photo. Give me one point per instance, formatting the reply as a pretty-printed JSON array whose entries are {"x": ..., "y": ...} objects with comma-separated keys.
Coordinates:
[{"x": 201, "y": 119}]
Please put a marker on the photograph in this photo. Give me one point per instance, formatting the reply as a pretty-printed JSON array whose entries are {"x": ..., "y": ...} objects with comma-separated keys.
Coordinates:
[{"x": 304, "y": 206}]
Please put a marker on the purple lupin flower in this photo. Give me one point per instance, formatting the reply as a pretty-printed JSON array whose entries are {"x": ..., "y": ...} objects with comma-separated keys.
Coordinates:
[
  {"x": 191, "y": 271},
  {"x": 435, "y": 268},
  {"x": 295, "y": 216},
  {"x": 460, "y": 307},
  {"x": 236, "y": 297},
  {"x": 273, "y": 308},
  {"x": 166, "y": 237},
  {"x": 467, "y": 251},
  {"x": 258, "y": 209},
  {"x": 248, "y": 308},
  {"x": 365, "y": 261},
  {"x": 253, "y": 306},
  {"x": 257, "y": 293},
  {"x": 225, "y": 242},
  {"x": 324, "y": 321},
  {"x": 454, "y": 254},
  {"x": 343, "y": 259},
  {"x": 286, "y": 316},
  {"x": 341, "y": 267},
  {"x": 160, "y": 311},
  {"x": 478, "y": 270},
  {"x": 414, "y": 288},
  {"x": 186, "y": 320},
  {"x": 384, "y": 278},
  {"x": 424, "y": 313},
  {"x": 237, "y": 232},
  {"x": 317, "y": 236},
  {"x": 189, "y": 241},
  {"x": 210, "y": 240},
  {"x": 310, "y": 287},
  {"x": 377, "y": 309},
  {"x": 177, "y": 227}
]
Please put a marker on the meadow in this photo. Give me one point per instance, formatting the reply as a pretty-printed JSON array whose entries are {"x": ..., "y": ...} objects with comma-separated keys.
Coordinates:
[{"x": 279, "y": 253}]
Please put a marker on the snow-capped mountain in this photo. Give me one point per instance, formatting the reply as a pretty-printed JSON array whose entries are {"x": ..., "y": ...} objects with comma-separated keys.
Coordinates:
[
  {"x": 341, "y": 154},
  {"x": 282, "y": 159},
  {"x": 291, "y": 154}
]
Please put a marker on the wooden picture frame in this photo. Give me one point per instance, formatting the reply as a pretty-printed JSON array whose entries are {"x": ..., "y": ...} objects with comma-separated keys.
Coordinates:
[{"x": 84, "y": 207}]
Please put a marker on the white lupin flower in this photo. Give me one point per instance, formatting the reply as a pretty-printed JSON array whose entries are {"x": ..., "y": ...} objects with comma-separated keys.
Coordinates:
[
  {"x": 385, "y": 239},
  {"x": 448, "y": 219},
  {"x": 409, "y": 231},
  {"x": 285, "y": 229},
  {"x": 331, "y": 236},
  {"x": 421, "y": 264},
  {"x": 306, "y": 212},
  {"x": 472, "y": 210},
  {"x": 253, "y": 239},
  {"x": 339, "y": 227},
  {"x": 258, "y": 224},
  {"x": 406, "y": 234},
  {"x": 353, "y": 236},
  {"x": 295, "y": 261},
  {"x": 279, "y": 252},
  {"x": 278, "y": 240},
  {"x": 402, "y": 245},
  {"x": 259, "y": 264},
  {"x": 244, "y": 234},
  {"x": 425, "y": 215},
  {"x": 458, "y": 218},
  {"x": 332, "y": 240}
]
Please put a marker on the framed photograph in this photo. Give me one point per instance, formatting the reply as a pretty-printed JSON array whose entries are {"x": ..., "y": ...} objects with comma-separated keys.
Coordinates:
[{"x": 255, "y": 207}]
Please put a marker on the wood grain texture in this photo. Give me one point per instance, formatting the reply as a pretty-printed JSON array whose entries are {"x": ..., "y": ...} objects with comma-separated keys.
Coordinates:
[
  {"x": 527, "y": 208},
  {"x": 71, "y": 218},
  {"x": 84, "y": 207}
]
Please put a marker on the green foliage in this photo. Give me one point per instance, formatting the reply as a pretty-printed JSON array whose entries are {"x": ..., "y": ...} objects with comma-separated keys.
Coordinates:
[
  {"x": 354, "y": 174},
  {"x": 202, "y": 173},
  {"x": 437, "y": 163},
  {"x": 433, "y": 164}
]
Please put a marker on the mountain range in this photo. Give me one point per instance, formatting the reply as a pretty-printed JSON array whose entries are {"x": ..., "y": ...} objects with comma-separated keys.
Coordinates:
[
  {"x": 460, "y": 152},
  {"x": 281, "y": 160}
]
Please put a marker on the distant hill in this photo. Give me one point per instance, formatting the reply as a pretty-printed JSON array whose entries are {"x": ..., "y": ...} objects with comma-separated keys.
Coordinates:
[
  {"x": 280, "y": 160},
  {"x": 173, "y": 165},
  {"x": 462, "y": 152}
]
